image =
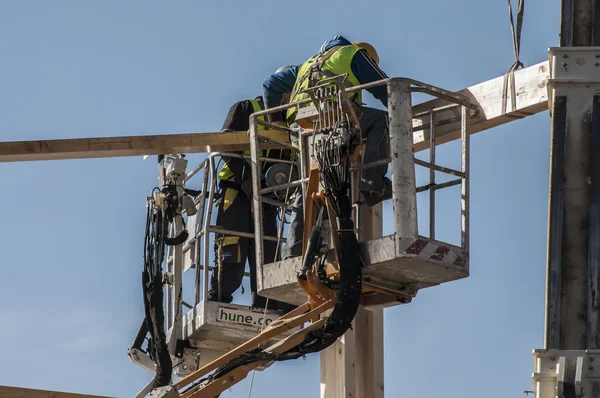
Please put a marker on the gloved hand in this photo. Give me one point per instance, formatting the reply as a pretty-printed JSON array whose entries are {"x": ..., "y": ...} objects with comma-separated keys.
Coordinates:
[{"x": 295, "y": 133}]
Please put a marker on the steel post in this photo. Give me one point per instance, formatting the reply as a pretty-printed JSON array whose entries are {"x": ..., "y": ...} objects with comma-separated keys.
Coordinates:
[
  {"x": 169, "y": 287},
  {"x": 570, "y": 306},
  {"x": 555, "y": 222},
  {"x": 206, "y": 235},
  {"x": 256, "y": 199},
  {"x": 465, "y": 166},
  {"x": 177, "y": 285},
  {"x": 404, "y": 197},
  {"x": 197, "y": 230},
  {"x": 573, "y": 264},
  {"x": 593, "y": 310},
  {"x": 304, "y": 160},
  {"x": 432, "y": 175}
]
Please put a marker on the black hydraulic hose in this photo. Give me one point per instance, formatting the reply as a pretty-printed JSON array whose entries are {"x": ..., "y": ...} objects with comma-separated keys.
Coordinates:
[
  {"x": 193, "y": 192},
  {"x": 312, "y": 246},
  {"x": 177, "y": 240},
  {"x": 332, "y": 159},
  {"x": 155, "y": 239},
  {"x": 348, "y": 297},
  {"x": 152, "y": 287},
  {"x": 140, "y": 336},
  {"x": 340, "y": 320},
  {"x": 154, "y": 301},
  {"x": 323, "y": 277}
]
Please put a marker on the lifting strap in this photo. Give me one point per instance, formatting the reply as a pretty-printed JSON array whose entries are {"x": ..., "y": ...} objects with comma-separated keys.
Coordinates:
[{"x": 516, "y": 39}]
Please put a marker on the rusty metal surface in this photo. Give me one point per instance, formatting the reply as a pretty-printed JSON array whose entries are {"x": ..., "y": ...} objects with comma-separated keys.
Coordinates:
[
  {"x": 593, "y": 310},
  {"x": 570, "y": 307},
  {"x": 556, "y": 208},
  {"x": 465, "y": 201}
]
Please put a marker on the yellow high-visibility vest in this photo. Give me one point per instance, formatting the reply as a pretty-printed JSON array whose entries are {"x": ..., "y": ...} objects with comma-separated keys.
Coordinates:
[
  {"x": 336, "y": 61},
  {"x": 225, "y": 174}
]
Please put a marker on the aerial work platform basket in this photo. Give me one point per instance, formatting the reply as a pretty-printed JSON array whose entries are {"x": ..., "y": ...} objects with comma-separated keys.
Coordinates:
[
  {"x": 400, "y": 264},
  {"x": 198, "y": 331},
  {"x": 203, "y": 333},
  {"x": 211, "y": 327}
]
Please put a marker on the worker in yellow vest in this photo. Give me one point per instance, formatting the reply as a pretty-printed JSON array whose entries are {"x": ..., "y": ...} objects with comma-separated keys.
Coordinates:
[
  {"x": 234, "y": 213},
  {"x": 360, "y": 62}
]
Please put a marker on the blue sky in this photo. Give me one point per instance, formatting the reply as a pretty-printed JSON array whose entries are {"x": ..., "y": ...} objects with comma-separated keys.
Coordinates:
[{"x": 72, "y": 231}]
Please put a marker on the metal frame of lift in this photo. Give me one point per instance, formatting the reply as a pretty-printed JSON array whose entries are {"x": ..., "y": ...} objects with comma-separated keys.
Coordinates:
[
  {"x": 404, "y": 202},
  {"x": 190, "y": 343},
  {"x": 405, "y": 243}
]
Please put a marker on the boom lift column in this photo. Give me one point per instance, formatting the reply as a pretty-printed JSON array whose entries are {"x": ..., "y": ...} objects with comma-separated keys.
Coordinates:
[{"x": 353, "y": 366}]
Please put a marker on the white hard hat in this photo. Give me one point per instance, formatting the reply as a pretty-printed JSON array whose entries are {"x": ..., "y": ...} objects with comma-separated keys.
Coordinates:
[{"x": 284, "y": 67}]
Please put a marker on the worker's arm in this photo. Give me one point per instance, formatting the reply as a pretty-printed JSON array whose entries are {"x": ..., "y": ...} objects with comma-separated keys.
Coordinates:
[
  {"x": 275, "y": 86},
  {"x": 238, "y": 120},
  {"x": 367, "y": 71}
]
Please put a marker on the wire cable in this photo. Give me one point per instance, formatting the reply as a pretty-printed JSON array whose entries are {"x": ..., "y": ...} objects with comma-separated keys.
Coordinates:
[{"x": 261, "y": 330}]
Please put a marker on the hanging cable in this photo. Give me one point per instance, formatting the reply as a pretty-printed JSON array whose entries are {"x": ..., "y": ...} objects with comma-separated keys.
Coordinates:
[
  {"x": 152, "y": 286},
  {"x": 262, "y": 326},
  {"x": 509, "y": 76},
  {"x": 163, "y": 211}
]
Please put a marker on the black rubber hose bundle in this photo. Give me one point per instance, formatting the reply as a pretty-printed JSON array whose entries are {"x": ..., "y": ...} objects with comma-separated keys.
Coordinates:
[
  {"x": 312, "y": 245},
  {"x": 348, "y": 298},
  {"x": 171, "y": 206},
  {"x": 340, "y": 320},
  {"x": 152, "y": 286},
  {"x": 155, "y": 320}
]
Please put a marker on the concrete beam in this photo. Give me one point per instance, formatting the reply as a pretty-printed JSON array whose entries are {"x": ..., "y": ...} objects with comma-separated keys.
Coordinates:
[
  {"x": 17, "y": 392},
  {"x": 83, "y": 148},
  {"x": 531, "y": 97}
]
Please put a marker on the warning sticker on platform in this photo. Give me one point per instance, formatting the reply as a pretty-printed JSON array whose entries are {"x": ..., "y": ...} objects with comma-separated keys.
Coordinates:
[{"x": 242, "y": 317}]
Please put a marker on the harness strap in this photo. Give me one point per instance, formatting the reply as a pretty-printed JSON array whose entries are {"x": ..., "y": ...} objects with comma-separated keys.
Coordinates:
[
  {"x": 316, "y": 69},
  {"x": 317, "y": 65}
]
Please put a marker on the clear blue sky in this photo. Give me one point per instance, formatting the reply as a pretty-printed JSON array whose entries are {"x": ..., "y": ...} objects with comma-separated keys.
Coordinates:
[{"x": 72, "y": 231}]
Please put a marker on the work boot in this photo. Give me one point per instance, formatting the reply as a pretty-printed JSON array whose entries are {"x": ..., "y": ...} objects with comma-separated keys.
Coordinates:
[
  {"x": 371, "y": 198},
  {"x": 212, "y": 296}
]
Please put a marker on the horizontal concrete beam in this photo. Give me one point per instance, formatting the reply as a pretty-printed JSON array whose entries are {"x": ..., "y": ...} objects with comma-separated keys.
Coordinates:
[
  {"x": 531, "y": 97},
  {"x": 82, "y": 148},
  {"x": 17, "y": 392}
]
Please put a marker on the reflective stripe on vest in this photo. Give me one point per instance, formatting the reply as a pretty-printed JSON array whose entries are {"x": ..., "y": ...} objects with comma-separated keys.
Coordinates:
[
  {"x": 225, "y": 174},
  {"x": 338, "y": 63}
]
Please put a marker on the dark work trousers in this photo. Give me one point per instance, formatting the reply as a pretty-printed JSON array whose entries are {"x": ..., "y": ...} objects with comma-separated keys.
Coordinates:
[
  {"x": 374, "y": 126},
  {"x": 234, "y": 213}
]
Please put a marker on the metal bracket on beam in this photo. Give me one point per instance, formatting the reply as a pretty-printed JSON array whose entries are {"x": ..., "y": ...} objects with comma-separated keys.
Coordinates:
[
  {"x": 573, "y": 67},
  {"x": 566, "y": 373}
]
